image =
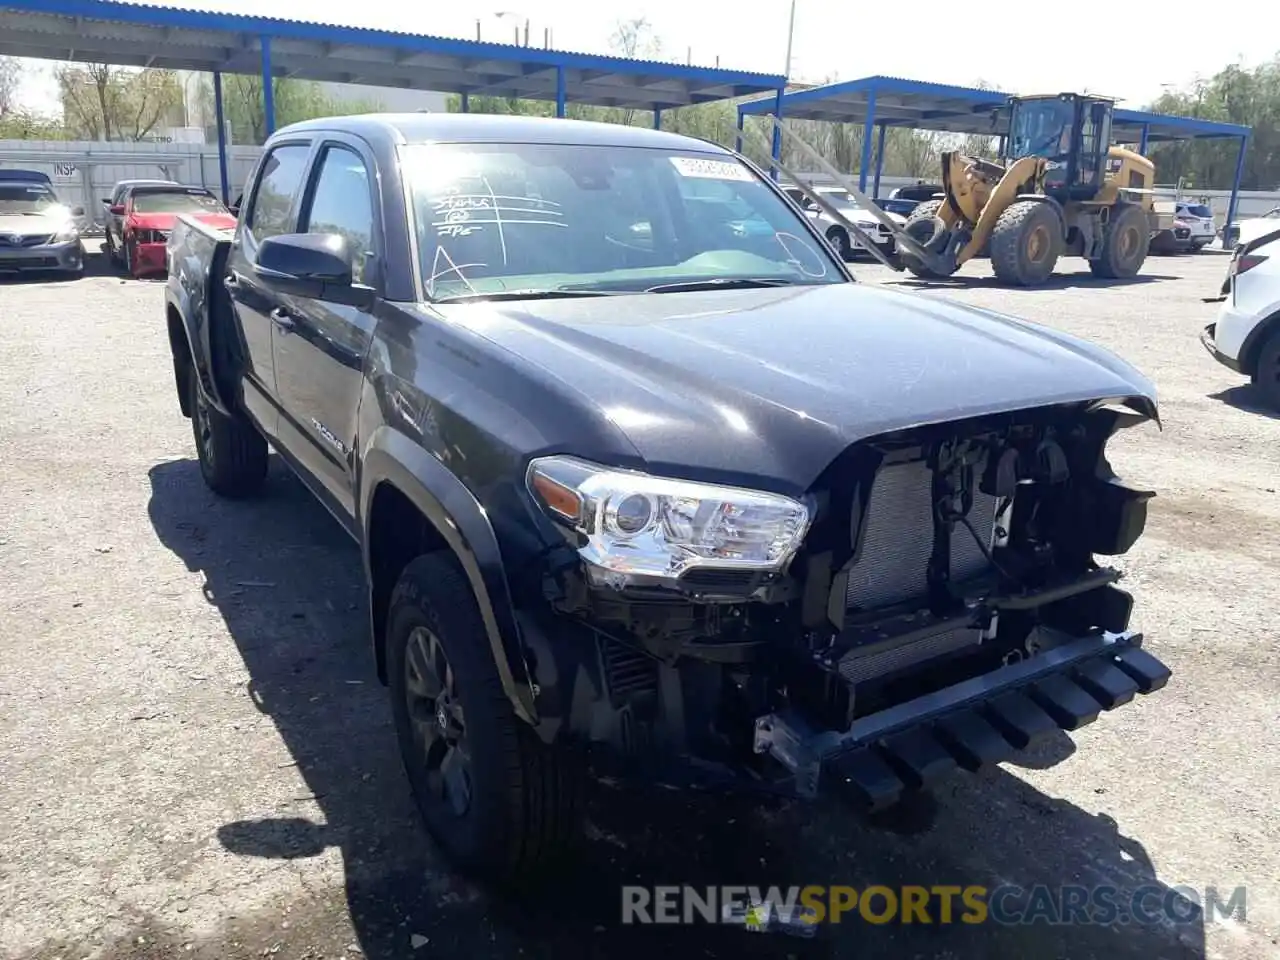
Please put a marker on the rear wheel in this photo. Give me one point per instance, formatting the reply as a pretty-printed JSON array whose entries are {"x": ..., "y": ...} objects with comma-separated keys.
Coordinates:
[
  {"x": 1026, "y": 243},
  {"x": 1266, "y": 375},
  {"x": 232, "y": 453},
  {"x": 923, "y": 226},
  {"x": 1125, "y": 245},
  {"x": 501, "y": 804}
]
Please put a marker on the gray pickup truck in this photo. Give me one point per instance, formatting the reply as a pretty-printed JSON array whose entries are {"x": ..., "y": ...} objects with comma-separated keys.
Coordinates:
[{"x": 650, "y": 486}]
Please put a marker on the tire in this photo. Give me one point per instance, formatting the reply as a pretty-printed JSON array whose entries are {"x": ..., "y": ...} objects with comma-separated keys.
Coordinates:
[
  {"x": 128, "y": 257},
  {"x": 1266, "y": 373},
  {"x": 1026, "y": 243},
  {"x": 510, "y": 807},
  {"x": 113, "y": 255},
  {"x": 838, "y": 237},
  {"x": 922, "y": 227},
  {"x": 232, "y": 453},
  {"x": 1125, "y": 245}
]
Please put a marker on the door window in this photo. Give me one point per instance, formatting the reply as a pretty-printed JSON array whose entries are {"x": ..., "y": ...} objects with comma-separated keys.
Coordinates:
[
  {"x": 341, "y": 203},
  {"x": 278, "y": 184}
]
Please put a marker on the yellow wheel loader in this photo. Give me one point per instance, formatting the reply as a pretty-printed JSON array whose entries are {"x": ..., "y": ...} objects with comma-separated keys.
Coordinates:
[{"x": 1060, "y": 190}]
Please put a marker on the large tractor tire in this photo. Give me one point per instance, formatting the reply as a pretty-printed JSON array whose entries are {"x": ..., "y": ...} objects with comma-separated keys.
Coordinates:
[
  {"x": 1026, "y": 243},
  {"x": 922, "y": 226},
  {"x": 1125, "y": 244}
]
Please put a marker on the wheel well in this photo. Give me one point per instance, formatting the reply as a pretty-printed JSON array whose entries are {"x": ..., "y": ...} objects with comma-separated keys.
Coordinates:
[
  {"x": 398, "y": 534},
  {"x": 181, "y": 351},
  {"x": 1256, "y": 341}
]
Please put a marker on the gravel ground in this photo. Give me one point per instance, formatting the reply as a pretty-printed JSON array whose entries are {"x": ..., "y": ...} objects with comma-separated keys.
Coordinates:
[{"x": 196, "y": 760}]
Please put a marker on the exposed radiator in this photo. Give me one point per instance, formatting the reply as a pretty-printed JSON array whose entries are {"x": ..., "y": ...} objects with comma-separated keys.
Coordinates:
[
  {"x": 898, "y": 539},
  {"x": 857, "y": 666}
]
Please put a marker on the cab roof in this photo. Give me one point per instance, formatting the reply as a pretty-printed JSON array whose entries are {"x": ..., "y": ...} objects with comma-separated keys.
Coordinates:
[{"x": 490, "y": 128}]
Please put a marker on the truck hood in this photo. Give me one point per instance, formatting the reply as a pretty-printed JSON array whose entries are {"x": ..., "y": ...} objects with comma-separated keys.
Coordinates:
[{"x": 773, "y": 384}]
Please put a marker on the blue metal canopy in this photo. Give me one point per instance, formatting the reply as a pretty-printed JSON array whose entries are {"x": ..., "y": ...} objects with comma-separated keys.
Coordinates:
[
  {"x": 884, "y": 102},
  {"x": 141, "y": 35},
  {"x": 131, "y": 34}
]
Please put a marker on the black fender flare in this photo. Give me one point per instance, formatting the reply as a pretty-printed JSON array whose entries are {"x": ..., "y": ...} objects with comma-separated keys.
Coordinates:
[
  {"x": 447, "y": 504},
  {"x": 189, "y": 296}
]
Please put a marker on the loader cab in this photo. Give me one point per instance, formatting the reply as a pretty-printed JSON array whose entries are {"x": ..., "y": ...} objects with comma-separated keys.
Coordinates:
[{"x": 1071, "y": 132}]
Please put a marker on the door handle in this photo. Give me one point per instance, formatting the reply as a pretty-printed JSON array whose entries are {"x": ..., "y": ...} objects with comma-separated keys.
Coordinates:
[
  {"x": 230, "y": 281},
  {"x": 281, "y": 318}
]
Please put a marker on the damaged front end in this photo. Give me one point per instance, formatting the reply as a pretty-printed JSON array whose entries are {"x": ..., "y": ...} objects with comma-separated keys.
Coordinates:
[{"x": 934, "y": 600}]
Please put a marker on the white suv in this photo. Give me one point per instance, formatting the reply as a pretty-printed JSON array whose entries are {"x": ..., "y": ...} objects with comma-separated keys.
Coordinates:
[
  {"x": 1198, "y": 217},
  {"x": 1246, "y": 336}
]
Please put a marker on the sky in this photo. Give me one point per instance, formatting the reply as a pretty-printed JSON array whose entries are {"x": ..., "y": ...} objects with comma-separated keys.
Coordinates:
[{"x": 1130, "y": 60}]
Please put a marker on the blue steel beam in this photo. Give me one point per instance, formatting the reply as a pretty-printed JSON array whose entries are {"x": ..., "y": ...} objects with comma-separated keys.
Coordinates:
[
  {"x": 220, "y": 119},
  {"x": 868, "y": 126},
  {"x": 560, "y": 92},
  {"x": 268, "y": 88},
  {"x": 777, "y": 131},
  {"x": 875, "y": 189},
  {"x": 1235, "y": 184}
]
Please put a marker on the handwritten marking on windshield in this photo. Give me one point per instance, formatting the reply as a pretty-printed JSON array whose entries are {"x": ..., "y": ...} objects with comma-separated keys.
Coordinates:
[
  {"x": 449, "y": 267},
  {"x": 785, "y": 240}
]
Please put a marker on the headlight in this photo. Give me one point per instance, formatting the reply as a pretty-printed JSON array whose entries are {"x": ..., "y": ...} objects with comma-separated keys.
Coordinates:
[
  {"x": 69, "y": 232},
  {"x": 643, "y": 525}
]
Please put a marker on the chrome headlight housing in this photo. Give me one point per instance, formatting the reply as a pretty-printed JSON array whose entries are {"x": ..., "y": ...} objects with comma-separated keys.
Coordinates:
[{"x": 640, "y": 525}]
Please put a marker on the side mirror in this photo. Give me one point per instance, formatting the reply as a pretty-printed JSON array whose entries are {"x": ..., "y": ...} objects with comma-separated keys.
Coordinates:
[
  {"x": 106, "y": 201},
  {"x": 116, "y": 210},
  {"x": 77, "y": 211},
  {"x": 314, "y": 265}
]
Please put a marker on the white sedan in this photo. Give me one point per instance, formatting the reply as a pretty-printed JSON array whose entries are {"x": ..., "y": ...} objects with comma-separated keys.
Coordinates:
[
  {"x": 848, "y": 247},
  {"x": 1246, "y": 336}
]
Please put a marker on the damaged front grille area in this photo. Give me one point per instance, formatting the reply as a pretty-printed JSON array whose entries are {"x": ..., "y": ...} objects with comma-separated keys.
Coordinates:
[
  {"x": 891, "y": 568},
  {"x": 897, "y": 540}
]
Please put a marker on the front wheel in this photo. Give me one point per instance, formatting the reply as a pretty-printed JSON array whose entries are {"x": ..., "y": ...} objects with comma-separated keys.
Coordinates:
[
  {"x": 232, "y": 453},
  {"x": 500, "y": 803},
  {"x": 1026, "y": 243}
]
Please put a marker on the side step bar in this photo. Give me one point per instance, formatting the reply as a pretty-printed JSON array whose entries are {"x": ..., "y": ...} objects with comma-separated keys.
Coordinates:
[{"x": 970, "y": 725}]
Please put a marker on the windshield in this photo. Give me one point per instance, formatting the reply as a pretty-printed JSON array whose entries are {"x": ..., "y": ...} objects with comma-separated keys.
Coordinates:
[
  {"x": 175, "y": 201},
  {"x": 540, "y": 218},
  {"x": 1198, "y": 210},
  {"x": 26, "y": 198},
  {"x": 1041, "y": 128}
]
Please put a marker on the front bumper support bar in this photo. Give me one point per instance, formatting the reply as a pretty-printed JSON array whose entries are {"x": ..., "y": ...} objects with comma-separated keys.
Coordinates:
[{"x": 977, "y": 722}]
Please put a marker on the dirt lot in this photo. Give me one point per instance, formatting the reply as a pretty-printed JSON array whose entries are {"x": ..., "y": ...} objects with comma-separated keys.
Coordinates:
[{"x": 196, "y": 760}]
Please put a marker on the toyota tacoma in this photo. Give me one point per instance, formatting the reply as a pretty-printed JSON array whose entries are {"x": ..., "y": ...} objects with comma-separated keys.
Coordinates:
[{"x": 642, "y": 493}]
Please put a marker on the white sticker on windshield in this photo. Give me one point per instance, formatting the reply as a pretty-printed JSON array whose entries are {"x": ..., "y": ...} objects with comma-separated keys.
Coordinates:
[{"x": 711, "y": 169}]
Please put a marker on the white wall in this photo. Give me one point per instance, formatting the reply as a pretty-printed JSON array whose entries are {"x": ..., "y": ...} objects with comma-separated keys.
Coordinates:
[{"x": 84, "y": 172}]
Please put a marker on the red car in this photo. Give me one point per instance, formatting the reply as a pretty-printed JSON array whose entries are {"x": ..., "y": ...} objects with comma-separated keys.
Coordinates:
[{"x": 148, "y": 216}]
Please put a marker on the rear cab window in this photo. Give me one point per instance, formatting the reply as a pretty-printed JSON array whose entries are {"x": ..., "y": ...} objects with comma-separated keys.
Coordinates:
[{"x": 271, "y": 210}]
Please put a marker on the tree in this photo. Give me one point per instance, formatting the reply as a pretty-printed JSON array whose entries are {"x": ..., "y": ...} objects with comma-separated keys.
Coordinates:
[
  {"x": 1233, "y": 95},
  {"x": 21, "y": 124},
  {"x": 101, "y": 102},
  {"x": 10, "y": 81},
  {"x": 294, "y": 101}
]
